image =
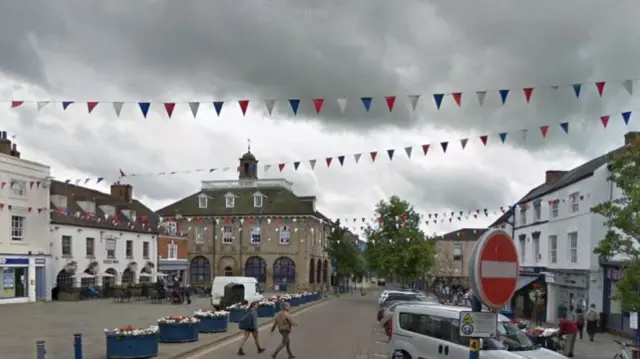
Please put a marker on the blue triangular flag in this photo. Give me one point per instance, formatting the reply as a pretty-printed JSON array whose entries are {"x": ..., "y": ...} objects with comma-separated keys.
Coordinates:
[
  {"x": 437, "y": 97},
  {"x": 576, "y": 89},
  {"x": 444, "y": 146},
  {"x": 390, "y": 154},
  {"x": 296, "y": 165},
  {"x": 503, "y": 95},
  {"x": 565, "y": 127},
  {"x": 144, "y": 108},
  {"x": 626, "y": 116},
  {"x": 66, "y": 104},
  {"x": 366, "y": 102},
  {"x": 218, "y": 106},
  {"x": 503, "y": 136},
  {"x": 100, "y": 179},
  {"x": 295, "y": 104},
  {"x": 341, "y": 160}
]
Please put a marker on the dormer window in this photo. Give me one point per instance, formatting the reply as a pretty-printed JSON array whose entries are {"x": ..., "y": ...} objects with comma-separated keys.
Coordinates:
[
  {"x": 130, "y": 214},
  {"x": 257, "y": 199},
  {"x": 59, "y": 201},
  {"x": 202, "y": 201},
  {"x": 230, "y": 200},
  {"x": 87, "y": 206},
  {"x": 108, "y": 210}
]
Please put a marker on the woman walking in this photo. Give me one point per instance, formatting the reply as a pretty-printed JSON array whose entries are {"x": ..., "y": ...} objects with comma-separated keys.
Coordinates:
[
  {"x": 249, "y": 324},
  {"x": 580, "y": 321}
]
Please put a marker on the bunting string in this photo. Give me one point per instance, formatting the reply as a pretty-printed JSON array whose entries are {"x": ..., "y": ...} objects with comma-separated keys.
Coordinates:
[
  {"x": 365, "y": 103},
  {"x": 373, "y": 156}
]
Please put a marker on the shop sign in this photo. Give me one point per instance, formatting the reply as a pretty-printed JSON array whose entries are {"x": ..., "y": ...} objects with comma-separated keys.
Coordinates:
[
  {"x": 14, "y": 261},
  {"x": 531, "y": 270},
  {"x": 614, "y": 274},
  {"x": 41, "y": 261}
]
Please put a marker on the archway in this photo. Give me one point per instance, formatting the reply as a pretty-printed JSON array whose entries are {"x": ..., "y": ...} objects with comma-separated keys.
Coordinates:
[
  {"x": 312, "y": 270},
  {"x": 230, "y": 262},
  {"x": 228, "y": 271},
  {"x": 128, "y": 276},
  {"x": 319, "y": 271},
  {"x": 256, "y": 267},
  {"x": 325, "y": 272},
  {"x": 110, "y": 281},
  {"x": 145, "y": 275},
  {"x": 64, "y": 279},
  {"x": 200, "y": 269},
  {"x": 284, "y": 271}
]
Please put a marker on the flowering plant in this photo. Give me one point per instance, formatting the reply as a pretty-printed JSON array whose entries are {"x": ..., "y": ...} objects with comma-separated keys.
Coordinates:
[
  {"x": 179, "y": 319},
  {"x": 210, "y": 313},
  {"x": 265, "y": 302},
  {"x": 238, "y": 306},
  {"x": 536, "y": 293},
  {"x": 297, "y": 295},
  {"x": 129, "y": 331},
  {"x": 285, "y": 296}
]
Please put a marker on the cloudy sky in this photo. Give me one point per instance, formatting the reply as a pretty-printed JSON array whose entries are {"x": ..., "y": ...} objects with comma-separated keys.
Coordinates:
[{"x": 184, "y": 51}]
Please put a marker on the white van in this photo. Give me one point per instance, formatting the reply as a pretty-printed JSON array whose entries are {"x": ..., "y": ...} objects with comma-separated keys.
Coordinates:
[
  {"x": 432, "y": 332},
  {"x": 252, "y": 291}
]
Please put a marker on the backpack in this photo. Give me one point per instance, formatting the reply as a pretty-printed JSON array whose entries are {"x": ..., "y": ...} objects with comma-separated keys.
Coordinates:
[
  {"x": 592, "y": 315},
  {"x": 246, "y": 323}
]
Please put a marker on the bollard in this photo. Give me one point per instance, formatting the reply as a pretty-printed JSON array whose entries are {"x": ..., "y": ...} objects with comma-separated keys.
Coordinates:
[
  {"x": 40, "y": 350},
  {"x": 77, "y": 346},
  {"x": 476, "y": 306}
]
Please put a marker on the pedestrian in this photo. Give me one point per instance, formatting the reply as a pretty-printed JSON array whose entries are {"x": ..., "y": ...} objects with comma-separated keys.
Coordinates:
[
  {"x": 187, "y": 293},
  {"x": 592, "y": 322},
  {"x": 283, "y": 322},
  {"x": 249, "y": 324},
  {"x": 580, "y": 321},
  {"x": 568, "y": 328}
]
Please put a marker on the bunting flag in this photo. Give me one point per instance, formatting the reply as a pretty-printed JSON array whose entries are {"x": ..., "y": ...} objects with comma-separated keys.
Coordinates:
[
  {"x": 525, "y": 95},
  {"x": 344, "y": 159},
  {"x": 26, "y": 186}
]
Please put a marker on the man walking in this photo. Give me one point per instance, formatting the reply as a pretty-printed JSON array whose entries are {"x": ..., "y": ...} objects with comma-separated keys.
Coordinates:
[
  {"x": 568, "y": 328},
  {"x": 592, "y": 322},
  {"x": 283, "y": 322}
]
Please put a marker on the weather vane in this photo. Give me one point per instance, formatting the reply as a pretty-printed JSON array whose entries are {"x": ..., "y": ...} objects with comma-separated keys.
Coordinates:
[{"x": 249, "y": 144}]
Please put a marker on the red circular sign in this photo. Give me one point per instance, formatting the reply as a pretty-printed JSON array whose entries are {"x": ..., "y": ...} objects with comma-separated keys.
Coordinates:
[{"x": 496, "y": 268}]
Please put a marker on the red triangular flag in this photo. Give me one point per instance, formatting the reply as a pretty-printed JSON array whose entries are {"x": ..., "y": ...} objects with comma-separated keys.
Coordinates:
[
  {"x": 373, "y": 155},
  {"x": 543, "y": 130},
  {"x": 122, "y": 174},
  {"x": 281, "y": 166},
  {"x": 527, "y": 93},
  {"x": 600, "y": 87},
  {"x": 457, "y": 97},
  {"x": 605, "y": 120},
  {"x": 15, "y": 104},
  {"x": 317, "y": 104},
  {"x": 91, "y": 106},
  {"x": 391, "y": 101},
  {"x": 169, "y": 106},
  {"x": 329, "y": 161},
  {"x": 425, "y": 149},
  {"x": 244, "y": 104},
  {"x": 484, "y": 139}
]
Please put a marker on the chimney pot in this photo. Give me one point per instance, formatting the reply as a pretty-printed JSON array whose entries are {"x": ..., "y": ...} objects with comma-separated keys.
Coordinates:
[{"x": 4, "y": 135}]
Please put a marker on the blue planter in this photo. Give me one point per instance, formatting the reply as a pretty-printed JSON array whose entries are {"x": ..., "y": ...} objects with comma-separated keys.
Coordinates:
[
  {"x": 213, "y": 324},
  {"x": 132, "y": 347},
  {"x": 178, "y": 333},
  {"x": 235, "y": 315},
  {"x": 277, "y": 306},
  {"x": 266, "y": 311},
  {"x": 295, "y": 302}
]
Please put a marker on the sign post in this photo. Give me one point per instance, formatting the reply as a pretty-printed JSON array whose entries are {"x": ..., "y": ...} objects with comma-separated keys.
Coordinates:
[{"x": 493, "y": 272}]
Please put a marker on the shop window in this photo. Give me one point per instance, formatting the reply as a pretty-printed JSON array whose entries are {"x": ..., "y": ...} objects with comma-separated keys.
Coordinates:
[{"x": 13, "y": 282}]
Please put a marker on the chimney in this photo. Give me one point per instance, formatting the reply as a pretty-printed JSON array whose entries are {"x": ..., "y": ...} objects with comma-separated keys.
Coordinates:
[
  {"x": 122, "y": 192},
  {"x": 5, "y": 144},
  {"x": 631, "y": 136},
  {"x": 14, "y": 151},
  {"x": 552, "y": 176}
]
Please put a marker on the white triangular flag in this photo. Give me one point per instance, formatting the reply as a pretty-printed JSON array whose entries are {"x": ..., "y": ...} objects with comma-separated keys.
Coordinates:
[
  {"x": 269, "y": 104},
  {"x": 41, "y": 104},
  {"x": 267, "y": 168},
  {"x": 241, "y": 220},
  {"x": 628, "y": 85},
  {"x": 342, "y": 102},
  {"x": 413, "y": 99},
  {"x": 463, "y": 142},
  {"x": 117, "y": 108},
  {"x": 312, "y": 163},
  {"x": 268, "y": 220},
  {"x": 226, "y": 169},
  {"x": 194, "y": 106},
  {"x": 408, "y": 151},
  {"x": 356, "y": 157},
  {"x": 481, "y": 95}
]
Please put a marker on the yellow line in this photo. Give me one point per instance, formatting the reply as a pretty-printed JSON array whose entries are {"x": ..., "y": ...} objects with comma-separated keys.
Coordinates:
[{"x": 239, "y": 336}]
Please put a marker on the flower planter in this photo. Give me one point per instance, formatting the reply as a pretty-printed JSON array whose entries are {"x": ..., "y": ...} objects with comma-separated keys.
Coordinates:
[
  {"x": 266, "y": 311},
  {"x": 295, "y": 302},
  {"x": 132, "y": 346},
  {"x": 235, "y": 315},
  {"x": 213, "y": 324},
  {"x": 178, "y": 332}
]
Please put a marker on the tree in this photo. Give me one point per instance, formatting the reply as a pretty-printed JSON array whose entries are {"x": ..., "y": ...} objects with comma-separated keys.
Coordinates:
[
  {"x": 396, "y": 246},
  {"x": 622, "y": 217},
  {"x": 343, "y": 251}
]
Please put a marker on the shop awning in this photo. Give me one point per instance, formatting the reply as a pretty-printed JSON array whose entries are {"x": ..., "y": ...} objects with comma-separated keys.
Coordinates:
[{"x": 524, "y": 281}]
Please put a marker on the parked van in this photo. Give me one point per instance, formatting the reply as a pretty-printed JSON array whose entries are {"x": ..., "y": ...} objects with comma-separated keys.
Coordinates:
[
  {"x": 252, "y": 290},
  {"x": 433, "y": 332}
]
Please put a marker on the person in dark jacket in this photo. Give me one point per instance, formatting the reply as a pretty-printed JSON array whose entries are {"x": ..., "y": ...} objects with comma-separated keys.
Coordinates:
[{"x": 249, "y": 324}]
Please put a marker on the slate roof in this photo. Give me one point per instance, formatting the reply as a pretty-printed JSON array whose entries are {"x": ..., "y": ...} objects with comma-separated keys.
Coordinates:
[
  {"x": 464, "y": 234},
  {"x": 145, "y": 222}
]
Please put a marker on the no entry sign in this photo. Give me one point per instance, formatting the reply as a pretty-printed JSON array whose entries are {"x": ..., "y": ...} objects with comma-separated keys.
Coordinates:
[{"x": 494, "y": 268}]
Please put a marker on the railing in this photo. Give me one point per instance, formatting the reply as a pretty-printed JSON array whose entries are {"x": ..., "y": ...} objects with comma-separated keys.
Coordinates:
[{"x": 260, "y": 183}]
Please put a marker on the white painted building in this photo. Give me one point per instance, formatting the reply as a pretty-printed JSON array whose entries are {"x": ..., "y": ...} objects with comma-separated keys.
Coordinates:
[
  {"x": 100, "y": 238},
  {"x": 555, "y": 233},
  {"x": 24, "y": 224}
]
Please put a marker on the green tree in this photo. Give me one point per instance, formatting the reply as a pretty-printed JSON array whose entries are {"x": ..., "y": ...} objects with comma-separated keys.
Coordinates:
[
  {"x": 343, "y": 251},
  {"x": 396, "y": 246},
  {"x": 622, "y": 217}
]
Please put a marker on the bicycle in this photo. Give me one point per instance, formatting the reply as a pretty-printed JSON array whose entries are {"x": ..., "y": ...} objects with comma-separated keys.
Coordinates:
[{"x": 622, "y": 354}]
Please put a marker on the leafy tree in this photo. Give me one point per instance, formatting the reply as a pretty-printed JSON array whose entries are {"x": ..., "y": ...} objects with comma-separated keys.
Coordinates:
[
  {"x": 622, "y": 217},
  {"x": 396, "y": 246},
  {"x": 343, "y": 250}
]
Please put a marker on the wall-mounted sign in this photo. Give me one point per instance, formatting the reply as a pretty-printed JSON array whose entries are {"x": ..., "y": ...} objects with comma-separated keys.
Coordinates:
[
  {"x": 532, "y": 270},
  {"x": 14, "y": 261}
]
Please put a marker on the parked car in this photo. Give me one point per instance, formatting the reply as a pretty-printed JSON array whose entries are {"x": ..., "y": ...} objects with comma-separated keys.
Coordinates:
[{"x": 398, "y": 297}]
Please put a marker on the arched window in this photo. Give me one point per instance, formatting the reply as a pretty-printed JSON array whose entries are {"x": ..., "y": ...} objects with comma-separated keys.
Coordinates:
[
  {"x": 228, "y": 271},
  {"x": 256, "y": 267},
  {"x": 312, "y": 270},
  {"x": 110, "y": 279},
  {"x": 64, "y": 280},
  {"x": 127, "y": 276},
  {"x": 284, "y": 271},
  {"x": 200, "y": 269},
  {"x": 319, "y": 271},
  {"x": 145, "y": 275},
  {"x": 325, "y": 271}
]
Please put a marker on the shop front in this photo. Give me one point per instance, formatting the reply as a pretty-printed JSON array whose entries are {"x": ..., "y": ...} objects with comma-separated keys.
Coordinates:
[
  {"x": 23, "y": 279},
  {"x": 567, "y": 291},
  {"x": 616, "y": 320},
  {"x": 174, "y": 269},
  {"x": 530, "y": 300}
]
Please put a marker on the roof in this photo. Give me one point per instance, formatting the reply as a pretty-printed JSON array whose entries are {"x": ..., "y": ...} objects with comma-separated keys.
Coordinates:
[
  {"x": 145, "y": 220},
  {"x": 464, "y": 234}
]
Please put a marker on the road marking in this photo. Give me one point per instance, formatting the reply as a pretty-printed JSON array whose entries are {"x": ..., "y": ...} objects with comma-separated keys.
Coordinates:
[{"x": 238, "y": 336}]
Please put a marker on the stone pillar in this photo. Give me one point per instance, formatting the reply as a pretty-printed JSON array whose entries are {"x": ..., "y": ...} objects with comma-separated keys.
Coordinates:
[
  {"x": 551, "y": 303},
  {"x": 30, "y": 280}
]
